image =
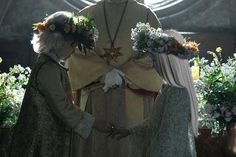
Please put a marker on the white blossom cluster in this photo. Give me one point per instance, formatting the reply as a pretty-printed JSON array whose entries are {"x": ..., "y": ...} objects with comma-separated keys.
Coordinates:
[
  {"x": 12, "y": 89},
  {"x": 143, "y": 36}
]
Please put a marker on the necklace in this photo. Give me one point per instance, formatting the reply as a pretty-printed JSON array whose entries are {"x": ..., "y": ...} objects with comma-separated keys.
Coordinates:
[{"x": 113, "y": 53}]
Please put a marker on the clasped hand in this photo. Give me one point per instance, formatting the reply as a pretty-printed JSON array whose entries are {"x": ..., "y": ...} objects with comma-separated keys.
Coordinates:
[{"x": 110, "y": 129}]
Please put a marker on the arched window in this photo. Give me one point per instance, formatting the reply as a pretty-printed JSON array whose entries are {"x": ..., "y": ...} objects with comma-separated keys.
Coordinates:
[
  {"x": 161, "y": 4},
  {"x": 169, "y": 7},
  {"x": 161, "y": 7}
]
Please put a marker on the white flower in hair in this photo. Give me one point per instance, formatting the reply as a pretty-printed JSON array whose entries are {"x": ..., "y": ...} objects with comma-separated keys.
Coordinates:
[{"x": 148, "y": 39}]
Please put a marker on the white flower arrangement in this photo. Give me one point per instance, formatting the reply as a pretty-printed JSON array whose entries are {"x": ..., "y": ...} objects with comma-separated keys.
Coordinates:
[{"x": 12, "y": 89}]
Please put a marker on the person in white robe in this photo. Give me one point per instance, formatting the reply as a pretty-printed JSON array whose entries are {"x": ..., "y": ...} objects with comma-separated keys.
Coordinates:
[{"x": 113, "y": 82}]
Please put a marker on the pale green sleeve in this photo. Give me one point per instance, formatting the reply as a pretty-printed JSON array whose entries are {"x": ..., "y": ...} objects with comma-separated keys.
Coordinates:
[{"x": 50, "y": 85}]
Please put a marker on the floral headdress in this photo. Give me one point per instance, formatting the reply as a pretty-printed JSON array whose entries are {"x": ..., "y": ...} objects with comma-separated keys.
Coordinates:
[
  {"x": 78, "y": 28},
  {"x": 149, "y": 39}
]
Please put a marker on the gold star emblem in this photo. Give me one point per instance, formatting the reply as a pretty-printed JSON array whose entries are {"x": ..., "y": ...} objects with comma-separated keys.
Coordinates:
[{"x": 111, "y": 54}]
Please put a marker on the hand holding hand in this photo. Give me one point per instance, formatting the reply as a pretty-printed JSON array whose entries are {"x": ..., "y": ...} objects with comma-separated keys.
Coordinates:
[
  {"x": 122, "y": 133},
  {"x": 102, "y": 126},
  {"x": 119, "y": 133}
]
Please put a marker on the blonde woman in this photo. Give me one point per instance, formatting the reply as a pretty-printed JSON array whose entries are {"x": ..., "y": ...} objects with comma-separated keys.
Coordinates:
[
  {"x": 47, "y": 114},
  {"x": 170, "y": 130}
]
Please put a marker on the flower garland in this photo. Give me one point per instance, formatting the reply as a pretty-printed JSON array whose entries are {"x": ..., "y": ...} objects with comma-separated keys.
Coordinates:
[
  {"x": 78, "y": 28},
  {"x": 149, "y": 39}
]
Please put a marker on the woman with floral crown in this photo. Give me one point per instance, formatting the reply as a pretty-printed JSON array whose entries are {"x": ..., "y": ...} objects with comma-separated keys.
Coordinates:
[
  {"x": 171, "y": 128},
  {"x": 48, "y": 116}
]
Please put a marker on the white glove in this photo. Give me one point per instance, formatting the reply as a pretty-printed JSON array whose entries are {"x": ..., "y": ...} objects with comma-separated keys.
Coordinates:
[{"x": 113, "y": 78}]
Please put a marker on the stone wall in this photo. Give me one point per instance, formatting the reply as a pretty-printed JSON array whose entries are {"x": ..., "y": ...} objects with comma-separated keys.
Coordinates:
[
  {"x": 209, "y": 19},
  {"x": 204, "y": 16},
  {"x": 213, "y": 21},
  {"x": 17, "y": 16}
]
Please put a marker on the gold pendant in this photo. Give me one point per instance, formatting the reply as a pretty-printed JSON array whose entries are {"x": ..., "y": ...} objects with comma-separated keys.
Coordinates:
[{"x": 111, "y": 54}]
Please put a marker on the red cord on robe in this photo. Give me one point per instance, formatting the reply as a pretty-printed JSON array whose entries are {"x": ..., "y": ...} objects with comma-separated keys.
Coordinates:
[{"x": 144, "y": 92}]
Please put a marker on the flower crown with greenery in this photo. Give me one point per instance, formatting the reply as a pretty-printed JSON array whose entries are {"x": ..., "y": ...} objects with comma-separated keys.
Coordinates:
[
  {"x": 149, "y": 39},
  {"x": 80, "y": 29}
]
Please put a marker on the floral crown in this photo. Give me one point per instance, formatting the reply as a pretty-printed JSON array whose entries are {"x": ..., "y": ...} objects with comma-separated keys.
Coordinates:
[
  {"x": 168, "y": 44},
  {"x": 149, "y": 39},
  {"x": 80, "y": 29}
]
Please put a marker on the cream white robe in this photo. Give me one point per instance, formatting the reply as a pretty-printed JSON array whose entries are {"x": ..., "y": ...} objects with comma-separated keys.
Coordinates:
[
  {"x": 86, "y": 69},
  {"x": 119, "y": 105}
]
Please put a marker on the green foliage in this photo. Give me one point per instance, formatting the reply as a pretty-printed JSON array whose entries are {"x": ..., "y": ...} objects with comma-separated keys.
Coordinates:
[
  {"x": 216, "y": 91},
  {"x": 12, "y": 89}
]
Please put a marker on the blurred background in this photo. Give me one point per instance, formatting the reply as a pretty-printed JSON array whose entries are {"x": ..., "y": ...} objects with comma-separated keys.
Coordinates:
[{"x": 209, "y": 22}]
